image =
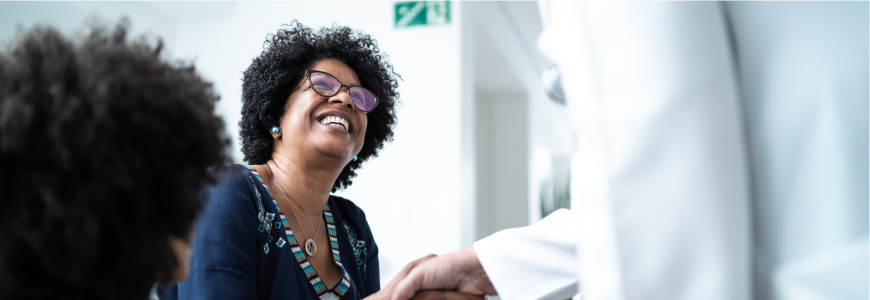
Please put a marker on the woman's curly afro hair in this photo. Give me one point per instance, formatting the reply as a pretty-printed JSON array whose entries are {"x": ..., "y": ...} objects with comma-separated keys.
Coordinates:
[
  {"x": 103, "y": 149},
  {"x": 267, "y": 84}
]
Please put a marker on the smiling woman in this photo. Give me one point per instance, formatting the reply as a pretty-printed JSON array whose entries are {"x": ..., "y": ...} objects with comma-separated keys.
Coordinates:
[
  {"x": 282, "y": 66},
  {"x": 316, "y": 105}
]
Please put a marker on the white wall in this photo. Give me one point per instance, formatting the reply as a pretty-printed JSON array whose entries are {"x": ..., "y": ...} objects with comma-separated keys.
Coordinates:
[
  {"x": 502, "y": 161},
  {"x": 502, "y": 134}
]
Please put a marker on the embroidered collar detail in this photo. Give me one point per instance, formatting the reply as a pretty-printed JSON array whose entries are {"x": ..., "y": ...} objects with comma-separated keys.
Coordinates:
[
  {"x": 322, "y": 291},
  {"x": 358, "y": 245}
]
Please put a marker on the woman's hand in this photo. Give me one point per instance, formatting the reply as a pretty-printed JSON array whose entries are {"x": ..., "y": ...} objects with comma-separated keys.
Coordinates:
[
  {"x": 460, "y": 271},
  {"x": 387, "y": 292},
  {"x": 445, "y": 295}
]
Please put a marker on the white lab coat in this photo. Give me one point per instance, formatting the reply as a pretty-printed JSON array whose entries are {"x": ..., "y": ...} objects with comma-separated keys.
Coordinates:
[{"x": 722, "y": 154}]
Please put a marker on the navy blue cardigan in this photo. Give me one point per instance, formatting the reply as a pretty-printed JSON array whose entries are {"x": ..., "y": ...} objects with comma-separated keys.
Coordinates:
[{"x": 229, "y": 261}]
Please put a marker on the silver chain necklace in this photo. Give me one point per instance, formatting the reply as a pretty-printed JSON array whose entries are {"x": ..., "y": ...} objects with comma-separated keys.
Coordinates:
[{"x": 310, "y": 246}]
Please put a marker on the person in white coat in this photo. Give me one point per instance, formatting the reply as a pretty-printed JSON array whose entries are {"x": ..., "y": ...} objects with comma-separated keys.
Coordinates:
[{"x": 722, "y": 154}]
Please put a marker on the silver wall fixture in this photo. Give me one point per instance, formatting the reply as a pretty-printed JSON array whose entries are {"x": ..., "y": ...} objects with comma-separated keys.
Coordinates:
[{"x": 551, "y": 80}]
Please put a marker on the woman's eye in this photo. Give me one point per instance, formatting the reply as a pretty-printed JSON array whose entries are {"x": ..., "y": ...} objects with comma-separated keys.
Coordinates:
[{"x": 323, "y": 85}]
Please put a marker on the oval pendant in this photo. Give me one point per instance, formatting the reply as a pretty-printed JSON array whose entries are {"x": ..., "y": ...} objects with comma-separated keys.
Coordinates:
[{"x": 310, "y": 247}]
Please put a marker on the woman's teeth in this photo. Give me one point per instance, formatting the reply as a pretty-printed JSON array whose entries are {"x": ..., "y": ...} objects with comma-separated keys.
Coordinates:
[{"x": 335, "y": 121}]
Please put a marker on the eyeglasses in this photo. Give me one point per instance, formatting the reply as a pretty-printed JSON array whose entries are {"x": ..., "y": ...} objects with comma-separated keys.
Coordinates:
[{"x": 327, "y": 86}]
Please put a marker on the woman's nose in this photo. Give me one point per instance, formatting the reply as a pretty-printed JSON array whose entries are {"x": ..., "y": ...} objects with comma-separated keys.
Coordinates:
[{"x": 342, "y": 97}]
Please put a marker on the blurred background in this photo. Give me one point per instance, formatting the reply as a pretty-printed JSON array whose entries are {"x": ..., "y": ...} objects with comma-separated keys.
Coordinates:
[{"x": 473, "y": 115}]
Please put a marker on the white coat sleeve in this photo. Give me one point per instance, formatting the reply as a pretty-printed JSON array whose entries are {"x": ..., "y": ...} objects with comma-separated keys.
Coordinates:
[{"x": 533, "y": 262}]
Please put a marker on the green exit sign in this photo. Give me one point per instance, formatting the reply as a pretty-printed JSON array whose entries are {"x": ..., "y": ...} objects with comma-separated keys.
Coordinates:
[{"x": 422, "y": 13}]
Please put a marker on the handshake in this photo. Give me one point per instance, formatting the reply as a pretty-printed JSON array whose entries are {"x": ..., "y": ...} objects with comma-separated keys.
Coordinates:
[{"x": 457, "y": 275}]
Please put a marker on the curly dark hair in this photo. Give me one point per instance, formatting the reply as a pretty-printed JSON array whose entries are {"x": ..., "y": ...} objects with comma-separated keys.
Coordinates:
[
  {"x": 104, "y": 148},
  {"x": 267, "y": 84}
]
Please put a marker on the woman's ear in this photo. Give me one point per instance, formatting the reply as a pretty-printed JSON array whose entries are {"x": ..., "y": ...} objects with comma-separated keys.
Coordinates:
[{"x": 276, "y": 132}]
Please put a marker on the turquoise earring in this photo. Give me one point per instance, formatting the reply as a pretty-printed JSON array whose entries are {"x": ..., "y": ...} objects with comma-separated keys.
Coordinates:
[
  {"x": 355, "y": 158},
  {"x": 276, "y": 130}
]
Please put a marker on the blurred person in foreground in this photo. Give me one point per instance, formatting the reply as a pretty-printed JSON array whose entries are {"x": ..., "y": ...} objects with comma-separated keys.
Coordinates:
[
  {"x": 722, "y": 154},
  {"x": 103, "y": 150},
  {"x": 315, "y": 106}
]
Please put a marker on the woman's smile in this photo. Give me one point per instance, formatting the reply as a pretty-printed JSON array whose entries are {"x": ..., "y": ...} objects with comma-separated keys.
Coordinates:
[{"x": 337, "y": 120}]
